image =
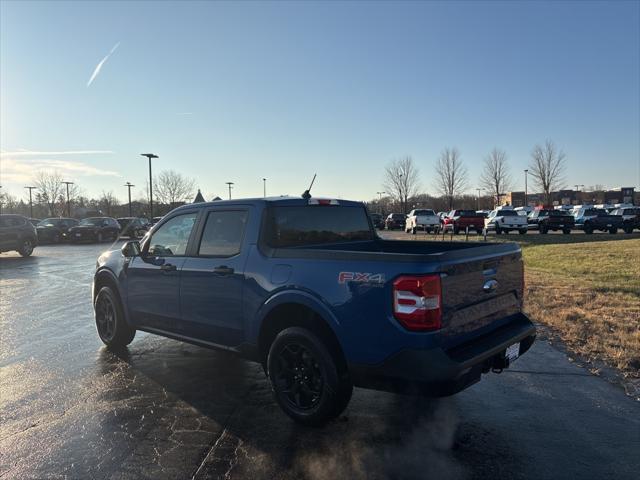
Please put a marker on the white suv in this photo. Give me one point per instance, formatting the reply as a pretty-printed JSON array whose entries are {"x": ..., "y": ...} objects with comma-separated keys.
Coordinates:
[{"x": 423, "y": 218}]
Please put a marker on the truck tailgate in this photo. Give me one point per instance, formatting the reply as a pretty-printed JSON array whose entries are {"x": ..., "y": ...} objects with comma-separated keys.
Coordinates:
[{"x": 477, "y": 294}]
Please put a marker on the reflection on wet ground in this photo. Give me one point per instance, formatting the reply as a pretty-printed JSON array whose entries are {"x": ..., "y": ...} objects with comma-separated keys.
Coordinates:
[{"x": 163, "y": 409}]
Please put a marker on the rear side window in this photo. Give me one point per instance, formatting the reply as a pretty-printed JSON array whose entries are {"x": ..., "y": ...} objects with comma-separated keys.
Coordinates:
[
  {"x": 223, "y": 232},
  {"x": 172, "y": 237},
  {"x": 315, "y": 225}
]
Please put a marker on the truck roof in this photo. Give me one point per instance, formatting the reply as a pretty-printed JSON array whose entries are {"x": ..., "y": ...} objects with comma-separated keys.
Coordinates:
[{"x": 273, "y": 201}]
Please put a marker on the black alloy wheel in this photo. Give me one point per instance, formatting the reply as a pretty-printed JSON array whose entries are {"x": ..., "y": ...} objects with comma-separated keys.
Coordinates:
[
  {"x": 26, "y": 249},
  {"x": 298, "y": 377},
  {"x": 106, "y": 318}
]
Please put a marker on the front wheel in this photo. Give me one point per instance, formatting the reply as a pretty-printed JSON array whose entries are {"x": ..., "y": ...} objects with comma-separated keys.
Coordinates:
[
  {"x": 112, "y": 328},
  {"x": 306, "y": 380},
  {"x": 26, "y": 248}
]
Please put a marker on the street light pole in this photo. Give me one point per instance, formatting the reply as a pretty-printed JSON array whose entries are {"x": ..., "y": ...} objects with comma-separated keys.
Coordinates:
[
  {"x": 129, "y": 185},
  {"x": 526, "y": 171},
  {"x": 30, "y": 201},
  {"x": 264, "y": 187},
  {"x": 478, "y": 203},
  {"x": 229, "y": 183},
  {"x": 150, "y": 156},
  {"x": 68, "y": 204}
]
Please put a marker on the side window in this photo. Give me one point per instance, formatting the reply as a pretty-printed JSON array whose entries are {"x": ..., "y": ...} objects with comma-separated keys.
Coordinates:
[
  {"x": 223, "y": 233},
  {"x": 172, "y": 237}
]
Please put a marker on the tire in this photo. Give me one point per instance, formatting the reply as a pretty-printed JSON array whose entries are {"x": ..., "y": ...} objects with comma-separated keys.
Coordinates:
[
  {"x": 456, "y": 230},
  {"x": 628, "y": 229},
  {"x": 111, "y": 325},
  {"x": 543, "y": 230},
  {"x": 414, "y": 230},
  {"x": 305, "y": 378},
  {"x": 566, "y": 231},
  {"x": 522, "y": 231},
  {"x": 588, "y": 229},
  {"x": 498, "y": 230},
  {"x": 26, "y": 248},
  {"x": 479, "y": 231},
  {"x": 428, "y": 230},
  {"x": 613, "y": 230}
]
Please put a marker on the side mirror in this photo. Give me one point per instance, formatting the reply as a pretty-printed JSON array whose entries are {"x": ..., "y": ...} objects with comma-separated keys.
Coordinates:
[{"x": 131, "y": 249}]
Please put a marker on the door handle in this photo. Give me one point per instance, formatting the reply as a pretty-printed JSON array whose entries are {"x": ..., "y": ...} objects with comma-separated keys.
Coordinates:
[
  {"x": 223, "y": 270},
  {"x": 168, "y": 267}
]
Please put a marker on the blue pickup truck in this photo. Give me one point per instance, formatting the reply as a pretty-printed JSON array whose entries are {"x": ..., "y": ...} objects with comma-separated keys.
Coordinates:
[{"x": 306, "y": 287}]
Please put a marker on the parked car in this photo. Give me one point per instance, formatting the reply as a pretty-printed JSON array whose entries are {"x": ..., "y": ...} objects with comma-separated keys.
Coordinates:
[
  {"x": 504, "y": 220},
  {"x": 54, "y": 230},
  {"x": 17, "y": 233},
  {"x": 421, "y": 218},
  {"x": 395, "y": 221},
  {"x": 544, "y": 220},
  {"x": 591, "y": 219},
  {"x": 378, "y": 220},
  {"x": 307, "y": 288},
  {"x": 133, "y": 227},
  {"x": 630, "y": 218},
  {"x": 95, "y": 229},
  {"x": 459, "y": 220}
]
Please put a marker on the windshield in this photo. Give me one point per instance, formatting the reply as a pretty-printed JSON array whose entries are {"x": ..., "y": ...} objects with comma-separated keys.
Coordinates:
[
  {"x": 91, "y": 221},
  {"x": 424, "y": 212},
  {"x": 53, "y": 222},
  {"x": 313, "y": 225}
]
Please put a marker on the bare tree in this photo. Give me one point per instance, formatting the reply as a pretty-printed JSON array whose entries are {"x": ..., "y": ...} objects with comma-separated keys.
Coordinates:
[
  {"x": 171, "y": 187},
  {"x": 401, "y": 180},
  {"x": 547, "y": 168},
  {"x": 451, "y": 174},
  {"x": 107, "y": 201},
  {"x": 495, "y": 177},
  {"x": 50, "y": 185}
]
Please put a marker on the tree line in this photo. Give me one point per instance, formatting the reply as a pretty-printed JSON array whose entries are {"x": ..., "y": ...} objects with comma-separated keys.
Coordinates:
[
  {"x": 450, "y": 179},
  {"x": 170, "y": 189}
]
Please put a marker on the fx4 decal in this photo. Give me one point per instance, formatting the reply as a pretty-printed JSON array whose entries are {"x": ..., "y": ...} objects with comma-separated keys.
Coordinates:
[{"x": 360, "y": 277}]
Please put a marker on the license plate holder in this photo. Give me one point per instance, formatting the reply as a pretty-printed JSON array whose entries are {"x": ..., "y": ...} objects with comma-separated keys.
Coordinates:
[{"x": 513, "y": 352}]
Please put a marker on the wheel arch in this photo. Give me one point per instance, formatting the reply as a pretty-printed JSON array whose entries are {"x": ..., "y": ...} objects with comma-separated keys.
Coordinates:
[
  {"x": 106, "y": 278},
  {"x": 298, "y": 309}
]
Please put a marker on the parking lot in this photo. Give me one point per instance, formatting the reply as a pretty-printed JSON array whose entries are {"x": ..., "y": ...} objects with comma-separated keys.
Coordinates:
[{"x": 164, "y": 409}]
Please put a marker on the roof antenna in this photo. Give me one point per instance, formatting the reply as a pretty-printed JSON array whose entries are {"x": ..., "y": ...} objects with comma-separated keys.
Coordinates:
[{"x": 307, "y": 193}]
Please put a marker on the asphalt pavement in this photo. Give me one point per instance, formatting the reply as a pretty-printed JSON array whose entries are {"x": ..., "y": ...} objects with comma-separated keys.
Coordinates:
[{"x": 164, "y": 409}]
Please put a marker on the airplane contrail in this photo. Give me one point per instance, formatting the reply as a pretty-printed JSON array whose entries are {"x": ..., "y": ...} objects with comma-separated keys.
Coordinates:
[{"x": 96, "y": 71}]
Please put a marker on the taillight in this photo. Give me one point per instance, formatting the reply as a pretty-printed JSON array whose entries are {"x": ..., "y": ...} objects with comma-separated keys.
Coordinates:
[{"x": 417, "y": 302}]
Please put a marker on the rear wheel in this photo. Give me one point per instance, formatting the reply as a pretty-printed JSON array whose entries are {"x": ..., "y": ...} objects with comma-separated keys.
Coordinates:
[
  {"x": 566, "y": 231},
  {"x": 613, "y": 230},
  {"x": 456, "y": 230},
  {"x": 498, "y": 230},
  {"x": 112, "y": 328},
  {"x": 628, "y": 229},
  {"x": 479, "y": 231},
  {"x": 26, "y": 248},
  {"x": 543, "y": 230},
  {"x": 588, "y": 229},
  {"x": 522, "y": 231},
  {"x": 306, "y": 380}
]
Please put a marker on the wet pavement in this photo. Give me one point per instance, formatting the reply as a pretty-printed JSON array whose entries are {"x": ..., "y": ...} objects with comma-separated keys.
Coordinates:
[{"x": 71, "y": 409}]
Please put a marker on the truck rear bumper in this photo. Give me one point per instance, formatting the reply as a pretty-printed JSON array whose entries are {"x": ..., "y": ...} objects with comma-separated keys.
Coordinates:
[{"x": 437, "y": 372}]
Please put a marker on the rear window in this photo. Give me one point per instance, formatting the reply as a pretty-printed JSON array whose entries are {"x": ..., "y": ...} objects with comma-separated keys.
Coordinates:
[
  {"x": 507, "y": 213},
  {"x": 312, "y": 225},
  {"x": 424, "y": 212},
  {"x": 398, "y": 216},
  {"x": 466, "y": 213}
]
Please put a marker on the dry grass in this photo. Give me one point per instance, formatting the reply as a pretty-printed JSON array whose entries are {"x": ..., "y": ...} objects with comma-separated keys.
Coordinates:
[{"x": 589, "y": 293}]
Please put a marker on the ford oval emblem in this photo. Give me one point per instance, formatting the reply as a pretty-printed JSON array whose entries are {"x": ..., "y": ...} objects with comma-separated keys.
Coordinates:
[{"x": 490, "y": 285}]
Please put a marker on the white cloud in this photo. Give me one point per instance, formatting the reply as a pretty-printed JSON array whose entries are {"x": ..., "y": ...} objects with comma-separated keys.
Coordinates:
[
  {"x": 22, "y": 153},
  {"x": 13, "y": 170},
  {"x": 96, "y": 71}
]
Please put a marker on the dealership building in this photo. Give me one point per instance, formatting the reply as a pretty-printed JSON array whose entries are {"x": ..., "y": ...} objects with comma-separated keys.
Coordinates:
[{"x": 574, "y": 197}]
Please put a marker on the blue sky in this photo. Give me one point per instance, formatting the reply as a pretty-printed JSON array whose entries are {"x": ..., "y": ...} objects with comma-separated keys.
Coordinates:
[{"x": 241, "y": 91}]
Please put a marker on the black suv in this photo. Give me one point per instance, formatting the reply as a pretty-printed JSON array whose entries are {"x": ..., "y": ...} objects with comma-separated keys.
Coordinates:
[
  {"x": 54, "y": 230},
  {"x": 17, "y": 233},
  {"x": 95, "y": 229}
]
